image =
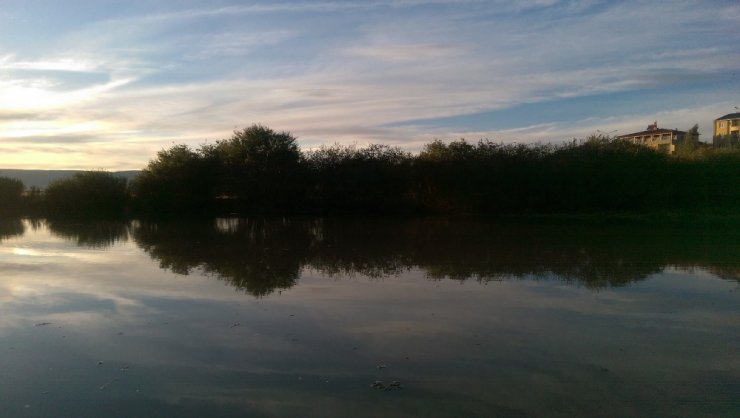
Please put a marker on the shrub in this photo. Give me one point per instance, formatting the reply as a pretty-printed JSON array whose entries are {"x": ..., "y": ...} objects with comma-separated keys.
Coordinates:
[
  {"x": 91, "y": 194},
  {"x": 11, "y": 191}
]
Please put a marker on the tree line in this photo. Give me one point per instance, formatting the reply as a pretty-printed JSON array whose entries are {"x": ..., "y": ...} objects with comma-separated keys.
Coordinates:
[{"x": 261, "y": 171}]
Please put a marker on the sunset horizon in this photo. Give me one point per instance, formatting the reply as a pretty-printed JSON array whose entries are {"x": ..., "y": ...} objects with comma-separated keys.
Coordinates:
[{"x": 103, "y": 85}]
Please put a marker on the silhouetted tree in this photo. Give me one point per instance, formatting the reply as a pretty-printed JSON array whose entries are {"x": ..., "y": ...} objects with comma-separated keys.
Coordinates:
[
  {"x": 692, "y": 136},
  {"x": 33, "y": 201},
  {"x": 259, "y": 170},
  {"x": 178, "y": 181},
  {"x": 690, "y": 144},
  {"x": 11, "y": 191},
  {"x": 370, "y": 180},
  {"x": 90, "y": 194}
]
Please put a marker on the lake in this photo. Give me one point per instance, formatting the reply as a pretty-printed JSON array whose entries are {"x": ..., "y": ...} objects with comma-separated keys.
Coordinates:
[{"x": 367, "y": 318}]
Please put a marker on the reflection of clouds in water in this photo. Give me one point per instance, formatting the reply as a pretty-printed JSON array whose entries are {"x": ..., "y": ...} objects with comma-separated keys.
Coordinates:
[
  {"x": 527, "y": 344},
  {"x": 23, "y": 251},
  {"x": 6, "y": 294},
  {"x": 56, "y": 280},
  {"x": 260, "y": 256}
]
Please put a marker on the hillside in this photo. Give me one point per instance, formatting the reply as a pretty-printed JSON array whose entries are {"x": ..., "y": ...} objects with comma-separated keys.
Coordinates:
[{"x": 41, "y": 178}]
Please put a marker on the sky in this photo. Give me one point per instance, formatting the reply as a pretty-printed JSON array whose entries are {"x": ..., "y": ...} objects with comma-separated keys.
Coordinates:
[{"x": 95, "y": 84}]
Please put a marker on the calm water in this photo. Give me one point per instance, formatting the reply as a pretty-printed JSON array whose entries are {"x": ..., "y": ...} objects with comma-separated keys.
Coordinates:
[{"x": 300, "y": 318}]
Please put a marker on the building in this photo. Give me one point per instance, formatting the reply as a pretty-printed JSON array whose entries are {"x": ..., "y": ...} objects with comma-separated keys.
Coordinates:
[
  {"x": 726, "y": 130},
  {"x": 665, "y": 140}
]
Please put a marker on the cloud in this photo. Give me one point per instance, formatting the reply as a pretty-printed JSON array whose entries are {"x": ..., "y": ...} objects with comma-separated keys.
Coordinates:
[
  {"x": 60, "y": 64},
  {"x": 355, "y": 71},
  {"x": 21, "y": 116},
  {"x": 405, "y": 52}
]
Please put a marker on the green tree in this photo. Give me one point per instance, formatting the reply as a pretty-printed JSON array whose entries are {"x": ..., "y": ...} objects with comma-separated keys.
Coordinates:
[{"x": 692, "y": 136}]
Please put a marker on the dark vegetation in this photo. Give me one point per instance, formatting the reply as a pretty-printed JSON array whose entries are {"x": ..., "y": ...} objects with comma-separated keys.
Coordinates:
[
  {"x": 259, "y": 256},
  {"x": 91, "y": 194},
  {"x": 11, "y": 196},
  {"x": 261, "y": 171}
]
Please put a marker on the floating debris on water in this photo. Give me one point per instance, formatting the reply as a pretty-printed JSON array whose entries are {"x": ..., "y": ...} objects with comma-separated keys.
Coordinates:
[
  {"x": 105, "y": 386},
  {"x": 379, "y": 384},
  {"x": 381, "y": 366},
  {"x": 234, "y": 325},
  {"x": 100, "y": 363},
  {"x": 43, "y": 324}
]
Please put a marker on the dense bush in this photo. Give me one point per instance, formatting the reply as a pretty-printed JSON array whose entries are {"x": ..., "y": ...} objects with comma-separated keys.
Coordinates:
[
  {"x": 91, "y": 194},
  {"x": 347, "y": 179},
  {"x": 487, "y": 176},
  {"x": 603, "y": 174},
  {"x": 256, "y": 170},
  {"x": 179, "y": 181},
  {"x": 260, "y": 171},
  {"x": 11, "y": 192}
]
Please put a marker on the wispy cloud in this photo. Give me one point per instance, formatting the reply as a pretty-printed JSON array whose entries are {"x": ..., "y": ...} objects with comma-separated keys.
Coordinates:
[
  {"x": 360, "y": 72},
  {"x": 61, "y": 64}
]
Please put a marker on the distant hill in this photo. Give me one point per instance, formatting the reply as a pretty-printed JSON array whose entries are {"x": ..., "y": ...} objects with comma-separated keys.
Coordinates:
[{"x": 41, "y": 178}]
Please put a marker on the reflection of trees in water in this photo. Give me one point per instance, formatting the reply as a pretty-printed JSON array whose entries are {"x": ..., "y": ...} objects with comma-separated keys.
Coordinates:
[
  {"x": 91, "y": 234},
  {"x": 463, "y": 250},
  {"x": 259, "y": 256},
  {"x": 10, "y": 228},
  {"x": 367, "y": 247},
  {"x": 727, "y": 272}
]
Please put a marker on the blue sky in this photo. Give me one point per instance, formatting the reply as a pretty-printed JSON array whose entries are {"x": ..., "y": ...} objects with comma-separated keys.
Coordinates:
[{"x": 106, "y": 84}]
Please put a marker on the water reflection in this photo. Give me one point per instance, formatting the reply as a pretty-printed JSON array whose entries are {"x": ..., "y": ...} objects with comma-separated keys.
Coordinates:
[
  {"x": 10, "y": 228},
  {"x": 257, "y": 257},
  {"x": 260, "y": 256},
  {"x": 83, "y": 329},
  {"x": 91, "y": 234}
]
